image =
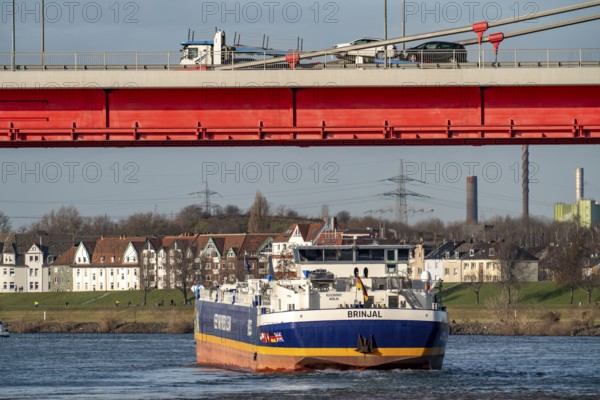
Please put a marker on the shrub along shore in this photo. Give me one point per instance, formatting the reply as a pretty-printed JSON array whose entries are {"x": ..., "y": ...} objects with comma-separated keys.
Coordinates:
[{"x": 536, "y": 309}]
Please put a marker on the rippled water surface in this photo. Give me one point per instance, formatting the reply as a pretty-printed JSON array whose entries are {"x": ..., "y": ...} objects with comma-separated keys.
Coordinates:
[{"x": 162, "y": 367}]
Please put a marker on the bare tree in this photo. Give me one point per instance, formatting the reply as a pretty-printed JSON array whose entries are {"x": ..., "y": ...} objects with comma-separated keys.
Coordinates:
[
  {"x": 142, "y": 224},
  {"x": 589, "y": 283},
  {"x": 476, "y": 283},
  {"x": 259, "y": 220},
  {"x": 188, "y": 217},
  {"x": 568, "y": 258},
  {"x": 231, "y": 210},
  {"x": 100, "y": 225},
  {"x": 147, "y": 280},
  {"x": 185, "y": 272},
  {"x": 509, "y": 264},
  {"x": 5, "y": 225},
  {"x": 343, "y": 217},
  {"x": 66, "y": 220}
]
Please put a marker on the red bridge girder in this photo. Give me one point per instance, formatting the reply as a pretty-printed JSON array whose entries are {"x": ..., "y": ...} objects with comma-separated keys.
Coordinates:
[{"x": 331, "y": 116}]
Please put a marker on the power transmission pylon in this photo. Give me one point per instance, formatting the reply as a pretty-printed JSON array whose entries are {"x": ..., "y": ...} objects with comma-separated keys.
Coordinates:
[
  {"x": 207, "y": 194},
  {"x": 401, "y": 194}
]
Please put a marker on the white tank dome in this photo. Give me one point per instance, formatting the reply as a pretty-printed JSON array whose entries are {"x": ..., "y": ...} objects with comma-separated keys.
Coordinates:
[{"x": 426, "y": 276}]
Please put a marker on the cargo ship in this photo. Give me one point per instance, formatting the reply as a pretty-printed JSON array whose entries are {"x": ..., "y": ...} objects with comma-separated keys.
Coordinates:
[{"x": 351, "y": 308}]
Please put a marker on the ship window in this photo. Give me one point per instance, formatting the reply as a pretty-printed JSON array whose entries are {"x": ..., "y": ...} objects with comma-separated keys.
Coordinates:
[
  {"x": 346, "y": 255},
  {"x": 310, "y": 255},
  {"x": 370, "y": 255},
  {"x": 331, "y": 255},
  {"x": 390, "y": 256}
]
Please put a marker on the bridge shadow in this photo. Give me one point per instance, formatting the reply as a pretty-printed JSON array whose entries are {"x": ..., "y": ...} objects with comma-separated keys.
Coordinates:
[{"x": 451, "y": 293}]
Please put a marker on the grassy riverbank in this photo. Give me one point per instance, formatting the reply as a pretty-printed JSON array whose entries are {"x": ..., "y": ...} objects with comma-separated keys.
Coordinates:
[{"x": 540, "y": 308}]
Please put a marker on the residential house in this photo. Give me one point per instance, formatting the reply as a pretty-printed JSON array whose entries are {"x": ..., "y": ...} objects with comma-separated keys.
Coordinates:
[
  {"x": 231, "y": 258},
  {"x": 13, "y": 271},
  {"x": 444, "y": 263},
  {"x": 60, "y": 271},
  {"x": 37, "y": 275}
]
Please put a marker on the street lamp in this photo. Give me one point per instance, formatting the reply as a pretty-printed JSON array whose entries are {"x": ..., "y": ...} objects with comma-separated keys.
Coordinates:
[
  {"x": 43, "y": 31},
  {"x": 385, "y": 30},
  {"x": 12, "y": 54},
  {"x": 403, "y": 23}
]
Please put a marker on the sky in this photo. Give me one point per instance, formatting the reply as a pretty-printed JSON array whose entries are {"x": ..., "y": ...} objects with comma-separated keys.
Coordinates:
[{"x": 119, "y": 182}]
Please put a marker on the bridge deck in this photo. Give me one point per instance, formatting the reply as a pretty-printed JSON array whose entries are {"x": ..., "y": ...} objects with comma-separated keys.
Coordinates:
[{"x": 299, "y": 108}]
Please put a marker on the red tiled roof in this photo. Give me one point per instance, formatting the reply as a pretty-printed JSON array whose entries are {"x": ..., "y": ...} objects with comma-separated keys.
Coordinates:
[{"x": 67, "y": 257}]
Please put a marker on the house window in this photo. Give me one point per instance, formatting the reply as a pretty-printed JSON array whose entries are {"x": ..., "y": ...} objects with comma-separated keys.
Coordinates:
[
  {"x": 37, "y": 286},
  {"x": 102, "y": 259},
  {"x": 492, "y": 252},
  {"x": 100, "y": 272},
  {"x": 12, "y": 272},
  {"x": 36, "y": 258},
  {"x": 472, "y": 252},
  {"x": 30, "y": 285},
  {"x": 93, "y": 277},
  {"x": 112, "y": 286},
  {"x": 31, "y": 272},
  {"x": 5, "y": 271},
  {"x": 12, "y": 286},
  {"x": 447, "y": 271},
  {"x": 30, "y": 258},
  {"x": 455, "y": 271},
  {"x": 78, "y": 286},
  {"x": 35, "y": 272}
]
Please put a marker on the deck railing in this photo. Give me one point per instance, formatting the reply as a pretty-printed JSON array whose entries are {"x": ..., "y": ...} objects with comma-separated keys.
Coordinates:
[{"x": 518, "y": 58}]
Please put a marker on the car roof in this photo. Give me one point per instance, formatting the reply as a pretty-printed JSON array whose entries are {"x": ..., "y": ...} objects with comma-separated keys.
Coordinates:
[
  {"x": 367, "y": 38},
  {"x": 439, "y": 42}
]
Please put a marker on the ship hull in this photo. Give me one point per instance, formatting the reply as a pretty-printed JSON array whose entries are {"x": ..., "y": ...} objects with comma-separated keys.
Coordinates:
[{"x": 240, "y": 338}]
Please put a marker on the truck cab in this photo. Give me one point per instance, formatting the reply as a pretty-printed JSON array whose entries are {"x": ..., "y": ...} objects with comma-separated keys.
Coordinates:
[{"x": 205, "y": 52}]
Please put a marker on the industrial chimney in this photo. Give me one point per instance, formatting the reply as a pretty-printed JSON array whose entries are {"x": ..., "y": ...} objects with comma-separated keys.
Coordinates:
[
  {"x": 472, "y": 212},
  {"x": 579, "y": 184}
]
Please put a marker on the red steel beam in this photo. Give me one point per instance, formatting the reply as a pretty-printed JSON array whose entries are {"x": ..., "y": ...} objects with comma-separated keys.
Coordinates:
[{"x": 404, "y": 116}]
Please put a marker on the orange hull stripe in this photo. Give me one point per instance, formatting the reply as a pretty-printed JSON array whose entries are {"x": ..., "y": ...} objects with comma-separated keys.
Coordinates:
[{"x": 317, "y": 352}]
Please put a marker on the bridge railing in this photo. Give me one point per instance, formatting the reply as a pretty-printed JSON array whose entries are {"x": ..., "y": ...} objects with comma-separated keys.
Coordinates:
[{"x": 411, "y": 59}]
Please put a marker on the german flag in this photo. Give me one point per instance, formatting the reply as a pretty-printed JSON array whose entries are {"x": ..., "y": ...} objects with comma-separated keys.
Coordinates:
[{"x": 360, "y": 286}]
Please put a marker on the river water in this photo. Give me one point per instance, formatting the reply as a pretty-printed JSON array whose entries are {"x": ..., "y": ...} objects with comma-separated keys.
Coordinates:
[{"x": 162, "y": 367}]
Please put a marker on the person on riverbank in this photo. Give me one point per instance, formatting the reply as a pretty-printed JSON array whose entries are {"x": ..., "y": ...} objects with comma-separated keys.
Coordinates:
[
  {"x": 36, "y": 304},
  {"x": 117, "y": 303}
]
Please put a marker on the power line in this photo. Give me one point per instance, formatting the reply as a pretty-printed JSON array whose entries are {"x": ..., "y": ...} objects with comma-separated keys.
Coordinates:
[
  {"x": 401, "y": 194},
  {"x": 207, "y": 194}
]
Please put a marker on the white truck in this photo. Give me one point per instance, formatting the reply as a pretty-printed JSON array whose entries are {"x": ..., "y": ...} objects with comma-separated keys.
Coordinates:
[{"x": 206, "y": 52}]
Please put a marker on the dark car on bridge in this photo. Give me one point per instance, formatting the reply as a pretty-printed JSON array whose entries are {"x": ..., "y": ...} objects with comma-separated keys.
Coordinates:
[{"x": 436, "y": 52}]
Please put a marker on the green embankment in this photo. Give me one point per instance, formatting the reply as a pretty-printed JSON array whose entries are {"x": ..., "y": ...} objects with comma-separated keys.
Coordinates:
[
  {"x": 97, "y": 311},
  {"x": 534, "y": 302},
  {"x": 531, "y": 301}
]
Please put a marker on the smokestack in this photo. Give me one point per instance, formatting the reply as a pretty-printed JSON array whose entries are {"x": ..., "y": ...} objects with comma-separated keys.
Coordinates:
[
  {"x": 472, "y": 212},
  {"x": 579, "y": 184}
]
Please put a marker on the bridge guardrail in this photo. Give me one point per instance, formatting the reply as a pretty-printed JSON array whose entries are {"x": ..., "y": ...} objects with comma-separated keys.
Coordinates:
[{"x": 519, "y": 58}]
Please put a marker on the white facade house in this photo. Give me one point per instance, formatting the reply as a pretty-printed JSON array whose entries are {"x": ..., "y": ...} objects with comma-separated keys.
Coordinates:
[
  {"x": 37, "y": 275},
  {"x": 13, "y": 274}
]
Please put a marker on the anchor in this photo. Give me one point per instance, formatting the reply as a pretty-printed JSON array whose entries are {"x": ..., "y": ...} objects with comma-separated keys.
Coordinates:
[{"x": 364, "y": 345}]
